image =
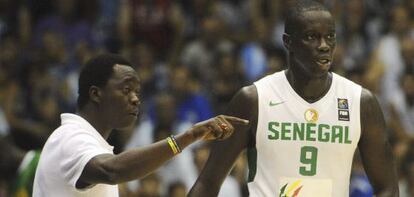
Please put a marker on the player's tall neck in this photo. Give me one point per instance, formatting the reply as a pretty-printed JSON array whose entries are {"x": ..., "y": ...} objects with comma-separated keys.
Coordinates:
[{"x": 309, "y": 88}]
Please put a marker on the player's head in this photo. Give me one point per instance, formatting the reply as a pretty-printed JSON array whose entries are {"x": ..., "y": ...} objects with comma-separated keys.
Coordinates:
[
  {"x": 309, "y": 37},
  {"x": 109, "y": 84}
]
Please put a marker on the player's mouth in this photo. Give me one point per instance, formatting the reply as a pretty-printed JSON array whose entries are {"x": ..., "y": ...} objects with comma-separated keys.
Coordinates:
[{"x": 323, "y": 62}]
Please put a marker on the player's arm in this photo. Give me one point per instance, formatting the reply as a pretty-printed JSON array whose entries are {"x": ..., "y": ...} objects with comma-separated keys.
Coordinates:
[
  {"x": 374, "y": 147},
  {"x": 138, "y": 162},
  {"x": 224, "y": 153}
]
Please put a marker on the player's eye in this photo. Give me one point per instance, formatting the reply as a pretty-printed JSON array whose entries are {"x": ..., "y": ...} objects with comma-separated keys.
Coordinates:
[
  {"x": 126, "y": 90},
  {"x": 331, "y": 36}
]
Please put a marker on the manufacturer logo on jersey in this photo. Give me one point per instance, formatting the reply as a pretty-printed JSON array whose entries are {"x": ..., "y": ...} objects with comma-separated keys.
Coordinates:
[
  {"x": 271, "y": 103},
  {"x": 311, "y": 115},
  {"x": 343, "y": 103},
  {"x": 291, "y": 190}
]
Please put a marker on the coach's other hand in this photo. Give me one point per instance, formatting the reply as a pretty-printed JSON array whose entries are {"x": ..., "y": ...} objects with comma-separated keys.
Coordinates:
[{"x": 217, "y": 128}]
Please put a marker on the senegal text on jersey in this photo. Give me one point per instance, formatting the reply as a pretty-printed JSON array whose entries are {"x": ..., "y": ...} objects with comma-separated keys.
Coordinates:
[{"x": 309, "y": 132}]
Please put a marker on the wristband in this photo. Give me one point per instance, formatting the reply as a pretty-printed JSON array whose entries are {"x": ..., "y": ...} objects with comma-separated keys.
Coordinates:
[{"x": 175, "y": 143}]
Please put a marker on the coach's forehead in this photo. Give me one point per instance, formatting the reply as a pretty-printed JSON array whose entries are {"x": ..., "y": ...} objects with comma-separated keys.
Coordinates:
[{"x": 124, "y": 72}]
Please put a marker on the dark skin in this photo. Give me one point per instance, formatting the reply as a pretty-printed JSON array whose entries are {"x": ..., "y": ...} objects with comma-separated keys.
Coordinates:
[
  {"x": 311, "y": 49},
  {"x": 116, "y": 106}
]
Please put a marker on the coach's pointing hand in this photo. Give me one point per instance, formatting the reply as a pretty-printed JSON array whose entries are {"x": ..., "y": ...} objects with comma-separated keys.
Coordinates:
[{"x": 217, "y": 128}]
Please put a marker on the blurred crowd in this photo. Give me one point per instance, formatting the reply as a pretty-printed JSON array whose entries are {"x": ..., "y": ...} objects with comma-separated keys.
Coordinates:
[{"x": 192, "y": 57}]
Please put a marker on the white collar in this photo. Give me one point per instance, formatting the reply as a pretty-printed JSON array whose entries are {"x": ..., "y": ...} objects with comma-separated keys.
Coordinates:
[{"x": 69, "y": 118}]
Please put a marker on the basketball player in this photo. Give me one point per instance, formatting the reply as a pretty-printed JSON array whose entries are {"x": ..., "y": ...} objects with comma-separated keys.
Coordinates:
[
  {"x": 76, "y": 159},
  {"x": 306, "y": 123}
]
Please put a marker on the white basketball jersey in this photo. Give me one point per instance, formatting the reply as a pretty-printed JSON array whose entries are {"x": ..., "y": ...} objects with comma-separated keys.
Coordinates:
[{"x": 304, "y": 149}]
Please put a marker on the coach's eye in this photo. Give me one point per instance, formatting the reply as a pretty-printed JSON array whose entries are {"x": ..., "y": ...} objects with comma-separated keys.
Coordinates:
[{"x": 310, "y": 37}]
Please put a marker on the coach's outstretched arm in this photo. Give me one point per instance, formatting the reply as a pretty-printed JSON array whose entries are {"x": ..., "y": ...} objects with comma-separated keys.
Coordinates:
[
  {"x": 138, "y": 162},
  {"x": 374, "y": 147},
  {"x": 224, "y": 153}
]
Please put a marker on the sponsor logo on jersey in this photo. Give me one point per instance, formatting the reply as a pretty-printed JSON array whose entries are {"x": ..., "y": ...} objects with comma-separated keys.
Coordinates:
[
  {"x": 291, "y": 190},
  {"x": 311, "y": 115}
]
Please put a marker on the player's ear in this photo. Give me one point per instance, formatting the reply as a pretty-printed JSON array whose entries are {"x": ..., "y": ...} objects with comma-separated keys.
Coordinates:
[
  {"x": 95, "y": 94},
  {"x": 287, "y": 40}
]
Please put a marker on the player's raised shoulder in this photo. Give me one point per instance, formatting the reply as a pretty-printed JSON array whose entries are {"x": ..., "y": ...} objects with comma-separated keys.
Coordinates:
[
  {"x": 371, "y": 113},
  {"x": 244, "y": 104},
  {"x": 248, "y": 92},
  {"x": 367, "y": 97}
]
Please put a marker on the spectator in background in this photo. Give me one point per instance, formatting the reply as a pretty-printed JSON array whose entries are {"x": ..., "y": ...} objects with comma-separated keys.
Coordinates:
[
  {"x": 360, "y": 185},
  {"x": 66, "y": 21},
  {"x": 389, "y": 52},
  {"x": 162, "y": 115},
  {"x": 150, "y": 187},
  {"x": 35, "y": 107},
  {"x": 354, "y": 37},
  {"x": 407, "y": 171},
  {"x": 230, "y": 186},
  {"x": 15, "y": 20},
  {"x": 8, "y": 82},
  {"x": 162, "y": 123},
  {"x": 17, "y": 168},
  {"x": 152, "y": 71},
  {"x": 277, "y": 60},
  {"x": 399, "y": 105},
  {"x": 228, "y": 77},
  {"x": 194, "y": 13},
  {"x": 173, "y": 113},
  {"x": 192, "y": 103},
  {"x": 253, "y": 53},
  {"x": 158, "y": 22},
  {"x": 67, "y": 35},
  {"x": 234, "y": 14},
  {"x": 177, "y": 189},
  {"x": 200, "y": 54},
  {"x": 240, "y": 173},
  {"x": 24, "y": 126}
]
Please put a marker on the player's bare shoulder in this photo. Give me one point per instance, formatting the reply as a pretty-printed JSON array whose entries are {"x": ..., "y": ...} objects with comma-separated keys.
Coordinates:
[
  {"x": 371, "y": 113},
  {"x": 245, "y": 105},
  {"x": 245, "y": 102},
  {"x": 249, "y": 93},
  {"x": 368, "y": 102}
]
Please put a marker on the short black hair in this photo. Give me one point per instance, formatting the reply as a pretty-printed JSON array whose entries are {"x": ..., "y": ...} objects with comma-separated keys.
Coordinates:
[
  {"x": 296, "y": 9},
  {"x": 96, "y": 72}
]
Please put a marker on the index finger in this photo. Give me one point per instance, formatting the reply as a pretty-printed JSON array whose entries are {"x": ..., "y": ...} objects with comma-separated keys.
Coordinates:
[{"x": 236, "y": 120}]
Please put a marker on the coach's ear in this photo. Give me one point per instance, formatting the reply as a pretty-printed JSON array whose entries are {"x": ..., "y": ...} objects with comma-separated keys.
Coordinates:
[
  {"x": 95, "y": 94},
  {"x": 287, "y": 41}
]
